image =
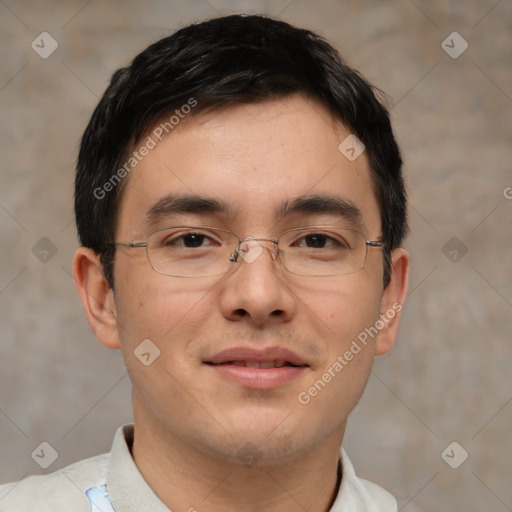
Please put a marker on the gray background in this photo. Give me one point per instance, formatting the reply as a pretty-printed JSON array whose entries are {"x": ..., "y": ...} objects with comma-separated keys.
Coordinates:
[{"x": 448, "y": 379}]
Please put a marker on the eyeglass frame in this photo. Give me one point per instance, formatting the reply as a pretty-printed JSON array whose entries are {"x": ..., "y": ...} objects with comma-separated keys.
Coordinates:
[{"x": 234, "y": 255}]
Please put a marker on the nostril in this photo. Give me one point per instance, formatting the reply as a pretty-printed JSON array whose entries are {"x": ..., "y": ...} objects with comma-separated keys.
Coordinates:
[
  {"x": 241, "y": 312},
  {"x": 278, "y": 312}
]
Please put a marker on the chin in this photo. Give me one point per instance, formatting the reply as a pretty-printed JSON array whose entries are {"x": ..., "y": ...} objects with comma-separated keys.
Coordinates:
[
  {"x": 272, "y": 437},
  {"x": 265, "y": 452}
]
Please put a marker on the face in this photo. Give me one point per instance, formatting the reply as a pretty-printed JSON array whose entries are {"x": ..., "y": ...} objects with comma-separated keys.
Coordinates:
[{"x": 213, "y": 385}]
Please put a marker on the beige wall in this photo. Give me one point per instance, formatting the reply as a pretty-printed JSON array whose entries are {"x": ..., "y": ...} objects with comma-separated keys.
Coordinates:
[{"x": 448, "y": 379}]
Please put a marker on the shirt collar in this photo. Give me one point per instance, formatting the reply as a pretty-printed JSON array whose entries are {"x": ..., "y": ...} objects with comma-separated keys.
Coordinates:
[
  {"x": 358, "y": 495},
  {"x": 129, "y": 492},
  {"x": 127, "y": 489}
]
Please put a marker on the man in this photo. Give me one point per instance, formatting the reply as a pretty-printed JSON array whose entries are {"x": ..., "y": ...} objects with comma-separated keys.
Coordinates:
[{"x": 240, "y": 207}]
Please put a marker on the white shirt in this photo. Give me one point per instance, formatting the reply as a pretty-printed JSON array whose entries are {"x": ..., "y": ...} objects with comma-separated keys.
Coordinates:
[{"x": 112, "y": 483}]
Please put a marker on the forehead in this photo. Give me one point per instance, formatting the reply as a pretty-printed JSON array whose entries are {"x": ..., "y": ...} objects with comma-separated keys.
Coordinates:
[{"x": 252, "y": 158}]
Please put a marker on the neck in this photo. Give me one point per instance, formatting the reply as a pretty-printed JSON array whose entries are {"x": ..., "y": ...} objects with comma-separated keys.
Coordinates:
[{"x": 186, "y": 478}]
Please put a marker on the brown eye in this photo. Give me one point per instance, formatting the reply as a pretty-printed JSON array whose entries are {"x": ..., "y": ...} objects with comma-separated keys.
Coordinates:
[
  {"x": 193, "y": 240},
  {"x": 187, "y": 240},
  {"x": 320, "y": 241},
  {"x": 316, "y": 241}
]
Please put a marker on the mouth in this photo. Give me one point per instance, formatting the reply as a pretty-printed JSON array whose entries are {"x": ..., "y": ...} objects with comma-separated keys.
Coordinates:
[
  {"x": 257, "y": 369},
  {"x": 258, "y": 364}
]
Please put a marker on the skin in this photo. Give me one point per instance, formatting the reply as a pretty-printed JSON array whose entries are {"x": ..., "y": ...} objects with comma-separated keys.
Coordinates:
[{"x": 190, "y": 424}]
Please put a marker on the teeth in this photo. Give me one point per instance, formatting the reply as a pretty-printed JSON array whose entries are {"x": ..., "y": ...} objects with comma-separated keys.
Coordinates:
[{"x": 260, "y": 364}]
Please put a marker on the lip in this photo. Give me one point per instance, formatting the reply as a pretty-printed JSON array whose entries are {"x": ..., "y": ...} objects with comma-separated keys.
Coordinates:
[
  {"x": 229, "y": 363},
  {"x": 257, "y": 355}
]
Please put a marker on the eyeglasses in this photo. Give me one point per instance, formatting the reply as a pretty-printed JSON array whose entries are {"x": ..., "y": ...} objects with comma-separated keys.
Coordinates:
[{"x": 202, "y": 251}]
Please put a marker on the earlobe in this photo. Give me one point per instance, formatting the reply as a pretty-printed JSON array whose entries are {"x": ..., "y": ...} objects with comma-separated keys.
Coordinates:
[
  {"x": 96, "y": 296},
  {"x": 393, "y": 300}
]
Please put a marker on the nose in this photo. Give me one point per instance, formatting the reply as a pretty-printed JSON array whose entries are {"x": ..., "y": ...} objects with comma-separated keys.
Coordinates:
[
  {"x": 256, "y": 291},
  {"x": 250, "y": 248}
]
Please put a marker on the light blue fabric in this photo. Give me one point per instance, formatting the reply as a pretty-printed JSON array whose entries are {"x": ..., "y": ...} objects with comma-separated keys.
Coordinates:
[{"x": 100, "y": 502}]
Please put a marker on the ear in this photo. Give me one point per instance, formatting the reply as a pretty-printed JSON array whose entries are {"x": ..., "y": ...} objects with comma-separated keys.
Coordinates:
[
  {"x": 96, "y": 296},
  {"x": 393, "y": 299}
]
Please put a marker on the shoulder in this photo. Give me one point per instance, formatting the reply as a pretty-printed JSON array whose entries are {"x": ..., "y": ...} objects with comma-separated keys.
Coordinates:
[{"x": 60, "y": 491}]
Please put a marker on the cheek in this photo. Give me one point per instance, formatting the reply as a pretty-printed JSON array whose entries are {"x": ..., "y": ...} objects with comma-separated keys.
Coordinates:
[
  {"x": 170, "y": 313},
  {"x": 342, "y": 312},
  {"x": 164, "y": 309},
  {"x": 340, "y": 316}
]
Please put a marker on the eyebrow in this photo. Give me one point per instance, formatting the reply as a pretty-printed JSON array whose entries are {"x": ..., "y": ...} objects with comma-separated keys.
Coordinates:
[
  {"x": 322, "y": 204},
  {"x": 185, "y": 204},
  {"x": 309, "y": 204}
]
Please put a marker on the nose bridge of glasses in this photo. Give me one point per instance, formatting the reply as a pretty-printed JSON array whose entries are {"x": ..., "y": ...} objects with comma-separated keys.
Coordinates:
[{"x": 250, "y": 248}]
